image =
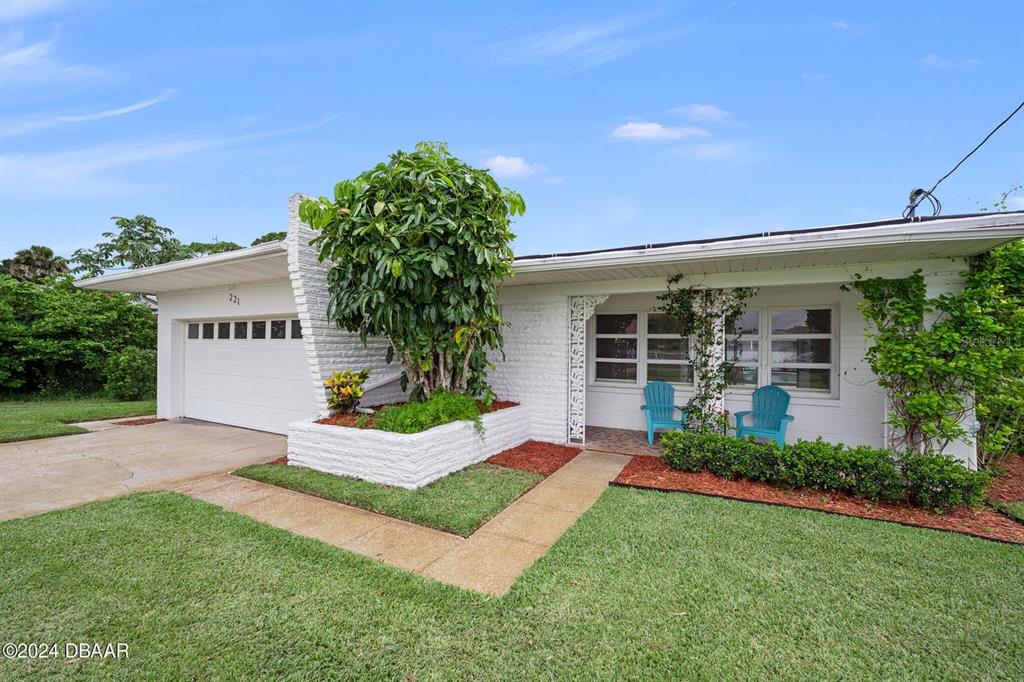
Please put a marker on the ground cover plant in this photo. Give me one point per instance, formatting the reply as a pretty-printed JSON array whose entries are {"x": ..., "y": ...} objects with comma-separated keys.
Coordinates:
[
  {"x": 458, "y": 503},
  {"x": 931, "y": 481},
  {"x": 645, "y": 585},
  {"x": 27, "y": 419}
]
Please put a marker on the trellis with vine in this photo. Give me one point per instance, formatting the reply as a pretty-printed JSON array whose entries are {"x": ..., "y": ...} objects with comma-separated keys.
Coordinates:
[{"x": 707, "y": 316}]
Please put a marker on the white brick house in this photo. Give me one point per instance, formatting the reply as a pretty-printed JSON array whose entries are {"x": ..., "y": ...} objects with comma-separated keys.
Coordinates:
[{"x": 244, "y": 337}]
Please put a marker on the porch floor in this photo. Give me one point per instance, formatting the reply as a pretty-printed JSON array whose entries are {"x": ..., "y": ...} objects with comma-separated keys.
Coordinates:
[{"x": 623, "y": 441}]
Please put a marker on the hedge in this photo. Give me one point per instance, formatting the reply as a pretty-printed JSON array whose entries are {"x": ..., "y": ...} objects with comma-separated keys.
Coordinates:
[{"x": 929, "y": 481}]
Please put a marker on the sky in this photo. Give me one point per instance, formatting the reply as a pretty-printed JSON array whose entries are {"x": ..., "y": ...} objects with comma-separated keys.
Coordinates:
[{"x": 620, "y": 124}]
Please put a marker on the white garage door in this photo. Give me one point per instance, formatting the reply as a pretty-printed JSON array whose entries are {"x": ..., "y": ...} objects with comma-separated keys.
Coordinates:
[{"x": 250, "y": 373}]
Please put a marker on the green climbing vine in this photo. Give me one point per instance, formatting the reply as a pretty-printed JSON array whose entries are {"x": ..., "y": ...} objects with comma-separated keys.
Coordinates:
[
  {"x": 707, "y": 316},
  {"x": 940, "y": 358}
]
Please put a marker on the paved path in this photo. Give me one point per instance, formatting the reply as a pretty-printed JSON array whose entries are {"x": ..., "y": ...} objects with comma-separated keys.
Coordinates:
[
  {"x": 488, "y": 561},
  {"x": 52, "y": 473}
]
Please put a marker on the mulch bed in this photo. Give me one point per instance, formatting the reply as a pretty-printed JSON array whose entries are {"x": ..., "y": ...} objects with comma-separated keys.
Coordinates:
[
  {"x": 350, "y": 420},
  {"x": 540, "y": 458},
  {"x": 1009, "y": 488},
  {"x": 649, "y": 472},
  {"x": 142, "y": 421}
]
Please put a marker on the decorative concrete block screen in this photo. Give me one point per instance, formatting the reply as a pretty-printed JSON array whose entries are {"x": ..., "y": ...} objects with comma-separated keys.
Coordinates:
[{"x": 408, "y": 460}]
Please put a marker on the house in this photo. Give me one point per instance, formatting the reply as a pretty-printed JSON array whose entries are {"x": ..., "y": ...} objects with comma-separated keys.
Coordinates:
[{"x": 244, "y": 337}]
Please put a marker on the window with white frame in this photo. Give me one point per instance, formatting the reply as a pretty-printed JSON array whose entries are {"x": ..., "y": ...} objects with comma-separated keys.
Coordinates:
[
  {"x": 633, "y": 348},
  {"x": 615, "y": 346},
  {"x": 791, "y": 347}
]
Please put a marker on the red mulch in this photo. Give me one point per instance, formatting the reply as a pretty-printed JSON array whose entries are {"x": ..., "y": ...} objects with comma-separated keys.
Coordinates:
[
  {"x": 283, "y": 460},
  {"x": 341, "y": 419},
  {"x": 646, "y": 471},
  {"x": 141, "y": 421},
  {"x": 1009, "y": 488},
  {"x": 540, "y": 458},
  {"x": 350, "y": 419}
]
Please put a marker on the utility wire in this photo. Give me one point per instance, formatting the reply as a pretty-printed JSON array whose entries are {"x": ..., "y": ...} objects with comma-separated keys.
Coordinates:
[{"x": 918, "y": 195}]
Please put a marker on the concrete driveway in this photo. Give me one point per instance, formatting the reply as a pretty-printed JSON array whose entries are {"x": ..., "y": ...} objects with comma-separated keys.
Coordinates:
[{"x": 53, "y": 473}]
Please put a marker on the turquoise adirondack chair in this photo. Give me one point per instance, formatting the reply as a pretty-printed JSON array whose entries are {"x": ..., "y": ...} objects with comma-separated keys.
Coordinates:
[
  {"x": 768, "y": 418},
  {"x": 660, "y": 408}
]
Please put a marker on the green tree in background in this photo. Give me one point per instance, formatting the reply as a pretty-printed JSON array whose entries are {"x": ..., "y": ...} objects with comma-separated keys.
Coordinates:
[
  {"x": 269, "y": 237},
  {"x": 137, "y": 243},
  {"x": 36, "y": 262},
  {"x": 57, "y": 338}
]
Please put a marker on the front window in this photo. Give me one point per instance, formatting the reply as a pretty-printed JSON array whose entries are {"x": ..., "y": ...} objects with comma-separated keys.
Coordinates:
[
  {"x": 668, "y": 353},
  {"x": 615, "y": 345},
  {"x": 788, "y": 347}
]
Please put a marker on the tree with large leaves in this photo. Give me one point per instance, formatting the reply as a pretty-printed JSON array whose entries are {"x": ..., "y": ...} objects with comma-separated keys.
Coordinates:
[
  {"x": 419, "y": 248},
  {"x": 36, "y": 262}
]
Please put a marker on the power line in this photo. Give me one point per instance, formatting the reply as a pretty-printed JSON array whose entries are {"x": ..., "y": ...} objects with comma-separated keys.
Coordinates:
[{"x": 919, "y": 195}]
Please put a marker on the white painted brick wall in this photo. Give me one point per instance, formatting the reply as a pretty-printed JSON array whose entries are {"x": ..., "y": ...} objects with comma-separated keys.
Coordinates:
[
  {"x": 536, "y": 365},
  {"x": 406, "y": 460},
  {"x": 328, "y": 347}
]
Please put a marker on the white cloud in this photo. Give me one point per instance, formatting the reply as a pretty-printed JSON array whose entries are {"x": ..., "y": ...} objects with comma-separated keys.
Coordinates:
[
  {"x": 702, "y": 112},
  {"x": 35, "y": 62},
  {"x": 842, "y": 25},
  {"x": 572, "y": 49},
  {"x": 91, "y": 171},
  {"x": 815, "y": 76},
  {"x": 16, "y": 10},
  {"x": 32, "y": 125},
  {"x": 512, "y": 166},
  {"x": 649, "y": 130},
  {"x": 938, "y": 62}
]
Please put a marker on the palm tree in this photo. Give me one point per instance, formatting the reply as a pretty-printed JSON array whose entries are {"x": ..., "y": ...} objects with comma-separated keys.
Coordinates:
[{"x": 36, "y": 262}]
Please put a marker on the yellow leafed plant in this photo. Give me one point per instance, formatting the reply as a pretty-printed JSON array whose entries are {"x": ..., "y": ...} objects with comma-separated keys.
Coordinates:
[{"x": 346, "y": 388}]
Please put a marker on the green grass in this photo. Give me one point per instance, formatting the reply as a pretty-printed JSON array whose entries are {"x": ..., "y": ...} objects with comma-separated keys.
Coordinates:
[
  {"x": 27, "y": 419},
  {"x": 646, "y": 585},
  {"x": 458, "y": 503},
  {"x": 1015, "y": 510}
]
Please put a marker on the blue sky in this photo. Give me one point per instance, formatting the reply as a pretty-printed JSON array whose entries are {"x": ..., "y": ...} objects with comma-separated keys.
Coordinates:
[{"x": 619, "y": 123}]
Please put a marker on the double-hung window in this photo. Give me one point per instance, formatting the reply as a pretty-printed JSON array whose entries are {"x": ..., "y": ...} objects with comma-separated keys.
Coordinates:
[
  {"x": 615, "y": 347},
  {"x": 791, "y": 347},
  {"x": 668, "y": 353},
  {"x": 636, "y": 347}
]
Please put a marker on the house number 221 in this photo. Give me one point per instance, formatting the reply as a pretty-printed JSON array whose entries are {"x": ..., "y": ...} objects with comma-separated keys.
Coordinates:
[{"x": 234, "y": 299}]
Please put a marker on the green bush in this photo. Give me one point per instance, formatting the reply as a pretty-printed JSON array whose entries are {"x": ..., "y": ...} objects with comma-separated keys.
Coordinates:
[
  {"x": 131, "y": 374},
  {"x": 937, "y": 481},
  {"x": 930, "y": 481},
  {"x": 56, "y": 338},
  {"x": 441, "y": 408}
]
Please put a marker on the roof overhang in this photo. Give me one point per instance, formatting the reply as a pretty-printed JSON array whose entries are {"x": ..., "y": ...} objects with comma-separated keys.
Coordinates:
[
  {"x": 903, "y": 240},
  {"x": 260, "y": 263}
]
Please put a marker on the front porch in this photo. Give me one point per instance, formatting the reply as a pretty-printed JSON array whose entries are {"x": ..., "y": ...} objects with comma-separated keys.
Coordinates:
[{"x": 622, "y": 441}]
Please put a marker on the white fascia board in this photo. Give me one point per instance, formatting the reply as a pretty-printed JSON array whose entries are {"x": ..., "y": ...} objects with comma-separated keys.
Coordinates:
[
  {"x": 249, "y": 252},
  {"x": 1006, "y": 228}
]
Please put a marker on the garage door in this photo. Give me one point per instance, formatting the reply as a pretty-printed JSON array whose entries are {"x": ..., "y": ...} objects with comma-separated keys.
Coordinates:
[{"x": 250, "y": 373}]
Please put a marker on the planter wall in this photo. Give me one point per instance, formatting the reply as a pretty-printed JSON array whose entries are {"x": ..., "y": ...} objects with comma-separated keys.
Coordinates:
[{"x": 408, "y": 460}]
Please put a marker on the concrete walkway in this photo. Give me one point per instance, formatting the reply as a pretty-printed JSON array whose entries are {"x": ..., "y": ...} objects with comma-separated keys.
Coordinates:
[
  {"x": 53, "y": 473},
  {"x": 488, "y": 561}
]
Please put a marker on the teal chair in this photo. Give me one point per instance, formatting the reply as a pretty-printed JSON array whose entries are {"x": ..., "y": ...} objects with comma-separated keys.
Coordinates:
[
  {"x": 768, "y": 419},
  {"x": 660, "y": 409}
]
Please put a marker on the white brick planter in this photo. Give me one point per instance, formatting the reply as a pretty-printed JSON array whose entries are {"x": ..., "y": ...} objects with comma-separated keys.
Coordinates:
[{"x": 409, "y": 460}]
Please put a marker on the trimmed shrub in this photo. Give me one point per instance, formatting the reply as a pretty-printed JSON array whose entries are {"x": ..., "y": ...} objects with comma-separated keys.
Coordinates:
[
  {"x": 441, "y": 408},
  {"x": 930, "y": 481},
  {"x": 937, "y": 481},
  {"x": 131, "y": 374}
]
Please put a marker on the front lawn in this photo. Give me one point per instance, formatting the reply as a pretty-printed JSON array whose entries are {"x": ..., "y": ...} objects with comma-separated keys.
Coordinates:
[
  {"x": 646, "y": 585},
  {"x": 458, "y": 503},
  {"x": 28, "y": 419}
]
